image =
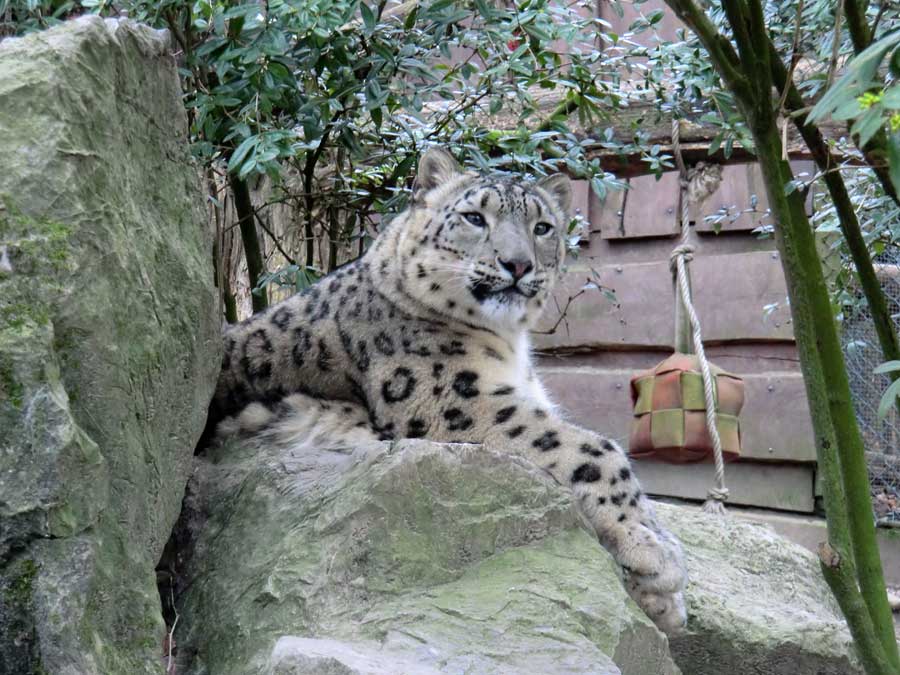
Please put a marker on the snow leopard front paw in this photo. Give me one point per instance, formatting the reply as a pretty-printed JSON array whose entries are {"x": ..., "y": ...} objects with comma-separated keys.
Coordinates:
[
  {"x": 655, "y": 576},
  {"x": 666, "y": 610}
]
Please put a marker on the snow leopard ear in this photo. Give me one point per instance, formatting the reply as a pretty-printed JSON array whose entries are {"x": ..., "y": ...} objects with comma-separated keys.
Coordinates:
[
  {"x": 436, "y": 167},
  {"x": 559, "y": 187}
]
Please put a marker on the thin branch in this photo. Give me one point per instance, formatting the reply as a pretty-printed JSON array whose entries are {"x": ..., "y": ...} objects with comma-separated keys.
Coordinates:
[
  {"x": 839, "y": 442},
  {"x": 835, "y": 44},
  {"x": 759, "y": 58},
  {"x": 170, "y": 664},
  {"x": 563, "y": 314},
  {"x": 736, "y": 13},
  {"x": 881, "y": 7},
  {"x": 274, "y": 239},
  {"x": 564, "y": 109},
  {"x": 875, "y": 151},
  {"x": 253, "y": 255},
  {"x": 795, "y": 56},
  {"x": 172, "y": 23},
  {"x": 564, "y": 311}
]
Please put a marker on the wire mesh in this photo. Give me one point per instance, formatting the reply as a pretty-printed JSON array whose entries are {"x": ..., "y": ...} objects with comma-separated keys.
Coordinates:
[{"x": 863, "y": 355}]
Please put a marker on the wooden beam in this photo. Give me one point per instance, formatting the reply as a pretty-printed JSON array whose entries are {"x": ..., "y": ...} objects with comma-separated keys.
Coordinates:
[
  {"x": 656, "y": 128},
  {"x": 696, "y": 137}
]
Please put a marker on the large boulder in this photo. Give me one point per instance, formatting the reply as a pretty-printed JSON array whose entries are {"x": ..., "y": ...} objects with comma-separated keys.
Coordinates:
[
  {"x": 448, "y": 557},
  {"x": 757, "y": 602},
  {"x": 417, "y": 557},
  {"x": 109, "y": 342}
]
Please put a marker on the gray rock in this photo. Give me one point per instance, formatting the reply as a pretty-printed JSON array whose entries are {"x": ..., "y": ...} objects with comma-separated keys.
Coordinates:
[
  {"x": 109, "y": 342},
  {"x": 757, "y": 604},
  {"x": 419, "y": 557},
  {"x": 307, "y": 656},
  {"x": 449, "y": 557}
]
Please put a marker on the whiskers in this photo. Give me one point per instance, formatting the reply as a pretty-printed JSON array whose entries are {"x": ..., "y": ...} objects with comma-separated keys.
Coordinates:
[
  {"x": 454, "y": 277},
  {"x": 449, "y": 266}
]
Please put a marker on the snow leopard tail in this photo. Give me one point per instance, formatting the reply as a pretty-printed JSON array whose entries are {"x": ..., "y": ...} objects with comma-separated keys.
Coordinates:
[{"x": 301, "y": 421}]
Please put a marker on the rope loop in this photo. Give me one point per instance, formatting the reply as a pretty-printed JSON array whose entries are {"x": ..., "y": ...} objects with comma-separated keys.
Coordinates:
[
  {"x": 682, "y": 251},
  {"x": 719, "y": 494}
]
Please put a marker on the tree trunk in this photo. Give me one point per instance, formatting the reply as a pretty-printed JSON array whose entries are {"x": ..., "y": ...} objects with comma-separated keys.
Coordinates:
[
  {"x": 851, "y": 527},
  {"x": 250, "y": 238},
  {"x": 828, "y": 387},
  {"x": 849, "y": 223}
]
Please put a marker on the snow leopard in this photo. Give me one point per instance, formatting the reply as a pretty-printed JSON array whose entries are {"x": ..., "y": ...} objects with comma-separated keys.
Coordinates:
[{"x": 426, "y": 335}]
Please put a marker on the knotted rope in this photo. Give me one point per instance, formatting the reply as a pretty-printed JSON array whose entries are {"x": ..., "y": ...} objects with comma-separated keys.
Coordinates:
[{"x": 696, "y": 185}]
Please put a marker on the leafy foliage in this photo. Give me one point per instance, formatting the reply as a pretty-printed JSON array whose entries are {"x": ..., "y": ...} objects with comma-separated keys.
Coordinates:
[
  {"x": 334, "y": 100},
  {"x": 329, "y": 103},
  {"x": 870, "y": 97}
]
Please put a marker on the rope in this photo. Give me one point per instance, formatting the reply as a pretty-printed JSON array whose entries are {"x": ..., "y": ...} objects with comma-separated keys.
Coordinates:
[{"x": 696, "y": 185}]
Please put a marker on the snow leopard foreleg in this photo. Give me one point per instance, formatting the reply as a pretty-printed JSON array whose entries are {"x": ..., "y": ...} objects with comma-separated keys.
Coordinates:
[{"x": 605, "y": 489}]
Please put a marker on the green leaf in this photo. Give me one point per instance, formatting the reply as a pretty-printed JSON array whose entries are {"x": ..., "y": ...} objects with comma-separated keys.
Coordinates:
[
  {"x": 894, "y": 63},
  {"x": 410, "y": 20},
  {"x": 868, "y": 125},
  {"x": 859, "y": 76},
  {"x": 865, "y": 64},
  {"x": 847, "y": 110},
  {"x": 887, "y": 367},
  {"x": 894, "y": 159},
  {"x": 279, "y": 70},
  {"x": 237, "y": 157},
  {"x": 485, "y": 9},
  {"x": 887, "y": 400},
  {"x": 538, "y": 33},
  {"x": 367, "y": 16},
  {"x": 891, "y": 97},
  {"x": 246, "y": 168},
  {"x": 404, "y": 167},
  {"x": 438, "y": 5}
]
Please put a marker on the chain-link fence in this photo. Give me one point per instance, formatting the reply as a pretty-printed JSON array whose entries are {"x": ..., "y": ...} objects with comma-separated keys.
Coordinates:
[{"x": 863, "y": 354}]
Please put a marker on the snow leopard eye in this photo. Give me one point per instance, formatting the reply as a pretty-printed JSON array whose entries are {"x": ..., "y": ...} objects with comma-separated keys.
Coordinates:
[
  {"x": 475, "y": 219},
  {"x": 542, "y": 228}
]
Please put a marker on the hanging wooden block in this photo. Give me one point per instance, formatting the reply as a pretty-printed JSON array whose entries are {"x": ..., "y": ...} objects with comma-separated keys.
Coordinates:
[{"x": 669, "y": 421}]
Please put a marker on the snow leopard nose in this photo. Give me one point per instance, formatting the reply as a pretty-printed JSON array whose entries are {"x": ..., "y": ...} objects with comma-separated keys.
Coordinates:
[{"x": 518, "y": 268}]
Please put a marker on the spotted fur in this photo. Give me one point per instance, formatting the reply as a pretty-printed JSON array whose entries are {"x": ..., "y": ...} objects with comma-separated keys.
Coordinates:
[{"x": 426, "y": 335}]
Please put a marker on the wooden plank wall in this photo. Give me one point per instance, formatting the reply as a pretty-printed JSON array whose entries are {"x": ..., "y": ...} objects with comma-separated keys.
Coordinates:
[{"x": 740, "y": 295}]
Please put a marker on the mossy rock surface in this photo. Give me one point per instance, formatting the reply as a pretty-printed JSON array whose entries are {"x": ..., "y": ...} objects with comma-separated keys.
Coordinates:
[
  {"x": 109, "y": 342},
  {"x": 449, "y": 557},
  {"x": 758, "y": 603},
  {"x": 419, "y": 557}
]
